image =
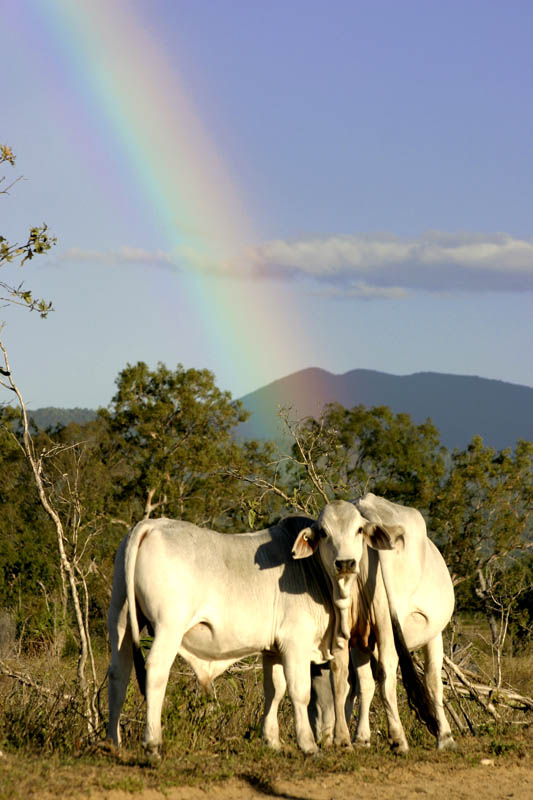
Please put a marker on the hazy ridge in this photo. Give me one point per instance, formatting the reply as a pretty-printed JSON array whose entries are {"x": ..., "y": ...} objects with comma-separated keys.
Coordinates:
[{"x": 461, "y": 406}]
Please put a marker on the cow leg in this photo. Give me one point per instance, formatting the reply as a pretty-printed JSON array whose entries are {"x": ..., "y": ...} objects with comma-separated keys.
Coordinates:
[
  {"x": 274, "y": 685},
  {"x": 298, "y": 676},
  {"x": 367, "y": 687},
  {"x": 119, "y": 669},
  {"x": 433, "y": 655},
  {"x": 341, "y": 688},
  {"x": 162, "y": 654},
  {"x": 353, "y": 690},
  {"x": 386, "y": 676},
  {"x": 321, "y": 708}
]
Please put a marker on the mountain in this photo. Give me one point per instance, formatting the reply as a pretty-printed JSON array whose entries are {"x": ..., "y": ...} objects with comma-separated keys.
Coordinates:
[
  {"x": 460, "y": 406},
  {"x": 50, "y": 417}
]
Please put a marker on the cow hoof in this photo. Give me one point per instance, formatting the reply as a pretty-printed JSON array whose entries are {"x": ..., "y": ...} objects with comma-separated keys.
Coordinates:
[
  {"x": 309, "y": 749},
  {"x": 399, "y": 748},
  {"x": 152, "y": 753},
  {"x": 274, "y": 744},
  {"x": 154, "y": 759},
  {"x": 327, "y": 742},
  {"x": 362, "y": 743},
  {"x": 448, "y": 743},
  {"x": 345, "y": 743}
]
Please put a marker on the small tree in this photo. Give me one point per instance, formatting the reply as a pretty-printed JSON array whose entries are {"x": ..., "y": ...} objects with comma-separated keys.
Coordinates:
[
  {"x": 483, "y": 518},
  {"x": 69, "y": 563},
  {"x": 72, "y": 576}
]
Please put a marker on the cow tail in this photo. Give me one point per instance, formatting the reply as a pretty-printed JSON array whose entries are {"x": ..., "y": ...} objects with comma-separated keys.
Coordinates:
[
  {"x": 132, "y": 549},
  {"x": 415, "y": 688},
  {"x": 417, "y": 693}
]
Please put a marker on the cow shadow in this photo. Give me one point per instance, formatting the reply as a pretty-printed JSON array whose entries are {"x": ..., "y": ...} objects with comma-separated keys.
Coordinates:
[{"x": 298, "y": 576}]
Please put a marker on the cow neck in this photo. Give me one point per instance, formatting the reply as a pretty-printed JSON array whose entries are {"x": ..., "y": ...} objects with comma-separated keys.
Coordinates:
[{"x": 342, "y": 603}]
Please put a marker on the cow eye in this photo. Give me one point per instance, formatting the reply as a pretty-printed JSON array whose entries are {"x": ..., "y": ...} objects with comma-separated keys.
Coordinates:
[
  {"x": 360, "y": 530},
  {"x": 322, "y": 533}
]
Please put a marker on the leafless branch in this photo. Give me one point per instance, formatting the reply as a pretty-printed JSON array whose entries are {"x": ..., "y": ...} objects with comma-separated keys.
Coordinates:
[{"x": 27, "y": 680}]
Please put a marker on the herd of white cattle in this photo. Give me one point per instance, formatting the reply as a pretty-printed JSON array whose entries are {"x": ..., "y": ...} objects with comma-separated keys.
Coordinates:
[{"x": 332, "y": 605}]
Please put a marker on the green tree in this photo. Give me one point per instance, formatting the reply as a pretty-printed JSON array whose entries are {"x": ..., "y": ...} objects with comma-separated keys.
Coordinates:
[
  {"x": 175, "y": 431},
  {"x": 483, "y": 520},
  {"x": 81, "y": 470},
  {"x": 347, "y": 452},
  {"x": 82, "y": 473},
  {"x": 28, "y": 568}
]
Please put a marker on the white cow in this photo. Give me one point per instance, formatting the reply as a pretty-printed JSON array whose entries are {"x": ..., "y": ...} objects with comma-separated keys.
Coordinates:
[
  {"x": 402, "y": 600},
  {"x": 215, "y": 598}
]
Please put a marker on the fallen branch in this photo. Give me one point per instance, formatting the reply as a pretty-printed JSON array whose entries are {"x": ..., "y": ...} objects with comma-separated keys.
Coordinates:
[
  {"x": 27, "y": 680},
  {"x": 480, "y": 690},
  {"x": 450, "y": 709}
]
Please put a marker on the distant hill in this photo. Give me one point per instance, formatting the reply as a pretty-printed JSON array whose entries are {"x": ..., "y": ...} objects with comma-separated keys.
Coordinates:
[
  {"x": 51, "y": 417},
  {"x": 460, "y": 406}
]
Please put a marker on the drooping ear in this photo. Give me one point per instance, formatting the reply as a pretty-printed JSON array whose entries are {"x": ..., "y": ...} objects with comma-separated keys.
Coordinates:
[
  {"x": 381, "y": 537},
  {"x": 306, "y": 542}
]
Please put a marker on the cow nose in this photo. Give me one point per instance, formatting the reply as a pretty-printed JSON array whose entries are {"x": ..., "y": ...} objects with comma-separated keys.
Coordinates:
[{"x": 345, "y": 565}]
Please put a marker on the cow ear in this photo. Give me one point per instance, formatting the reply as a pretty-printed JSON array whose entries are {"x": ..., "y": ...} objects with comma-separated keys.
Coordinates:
[
  {"x": 381, "y": 537},
  {"x": 306, "y": 543}
]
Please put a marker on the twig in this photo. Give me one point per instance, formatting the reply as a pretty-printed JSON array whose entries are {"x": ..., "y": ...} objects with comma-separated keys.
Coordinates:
[
  {"x": 450, "y": 709},
  {"x": 27, "y": 680}
]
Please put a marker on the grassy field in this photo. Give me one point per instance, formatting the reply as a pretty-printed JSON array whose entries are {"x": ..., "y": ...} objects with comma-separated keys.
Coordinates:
[
  {"x": 46, "y": 752},
  {"x": 96, "y": 772}
]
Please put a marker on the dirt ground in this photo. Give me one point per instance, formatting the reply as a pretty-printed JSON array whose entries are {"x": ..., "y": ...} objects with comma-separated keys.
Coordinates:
[
  {"x": 485, "y": 781},
  {"x": 488, "y": 779},
  {"x": 494, "y": 765}
]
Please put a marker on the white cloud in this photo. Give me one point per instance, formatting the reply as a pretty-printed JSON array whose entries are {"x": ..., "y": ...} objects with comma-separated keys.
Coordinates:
[
  {"x": 433, "y": 262},
  {"x": 365, "y": 266}
]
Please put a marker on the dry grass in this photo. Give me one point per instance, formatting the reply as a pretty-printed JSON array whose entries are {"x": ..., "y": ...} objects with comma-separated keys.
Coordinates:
[
  {"x": 94, "y": 771},
  {"x": 45, "y": 746}
]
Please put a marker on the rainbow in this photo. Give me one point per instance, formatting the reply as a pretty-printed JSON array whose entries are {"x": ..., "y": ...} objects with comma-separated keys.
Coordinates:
[{"x": 252, "y": 329}]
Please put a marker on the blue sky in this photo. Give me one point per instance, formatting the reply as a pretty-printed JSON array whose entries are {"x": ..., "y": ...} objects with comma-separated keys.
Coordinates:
[{"x": 381, "y": 153}]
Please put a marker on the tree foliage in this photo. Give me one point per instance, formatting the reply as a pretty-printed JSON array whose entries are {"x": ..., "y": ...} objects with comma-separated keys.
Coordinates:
[
  {"x": 347, "y": 452},
  {"x": 483, "y": 514},
  {"x": 483, "y": 521},
  {"x": 37, "y": 242},
  {"x": 174, "y": 429},
  {"x": 26, "y": 540}
]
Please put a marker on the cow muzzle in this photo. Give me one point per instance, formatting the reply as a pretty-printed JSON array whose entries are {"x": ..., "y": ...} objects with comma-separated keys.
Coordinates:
[{"x": 345, "y": 566}]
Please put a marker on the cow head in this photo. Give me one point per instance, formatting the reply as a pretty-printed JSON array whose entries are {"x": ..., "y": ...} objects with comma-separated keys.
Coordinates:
[{"x": 339, "y": 534}]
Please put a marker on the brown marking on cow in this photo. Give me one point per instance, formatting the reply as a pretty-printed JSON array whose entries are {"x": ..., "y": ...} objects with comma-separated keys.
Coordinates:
[{"x": 362, "y": 634}]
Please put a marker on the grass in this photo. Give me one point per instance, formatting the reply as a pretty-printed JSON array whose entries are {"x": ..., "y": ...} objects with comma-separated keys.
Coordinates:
[
  {"x": 44, "y": 742},
  {"x": 25, "y": 775}
]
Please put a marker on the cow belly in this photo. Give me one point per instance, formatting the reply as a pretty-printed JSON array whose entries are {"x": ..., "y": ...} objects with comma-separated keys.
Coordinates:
[{"x": 209, "y": 641}]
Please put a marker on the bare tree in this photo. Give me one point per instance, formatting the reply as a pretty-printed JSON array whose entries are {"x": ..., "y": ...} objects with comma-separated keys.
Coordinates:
[{"x": 70, "y": 553}]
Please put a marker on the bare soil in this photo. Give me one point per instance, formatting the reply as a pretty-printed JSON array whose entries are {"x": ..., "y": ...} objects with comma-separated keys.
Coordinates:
[
  {"x": 490, "y": 782},
  {"x": 476, "y": 771}
]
